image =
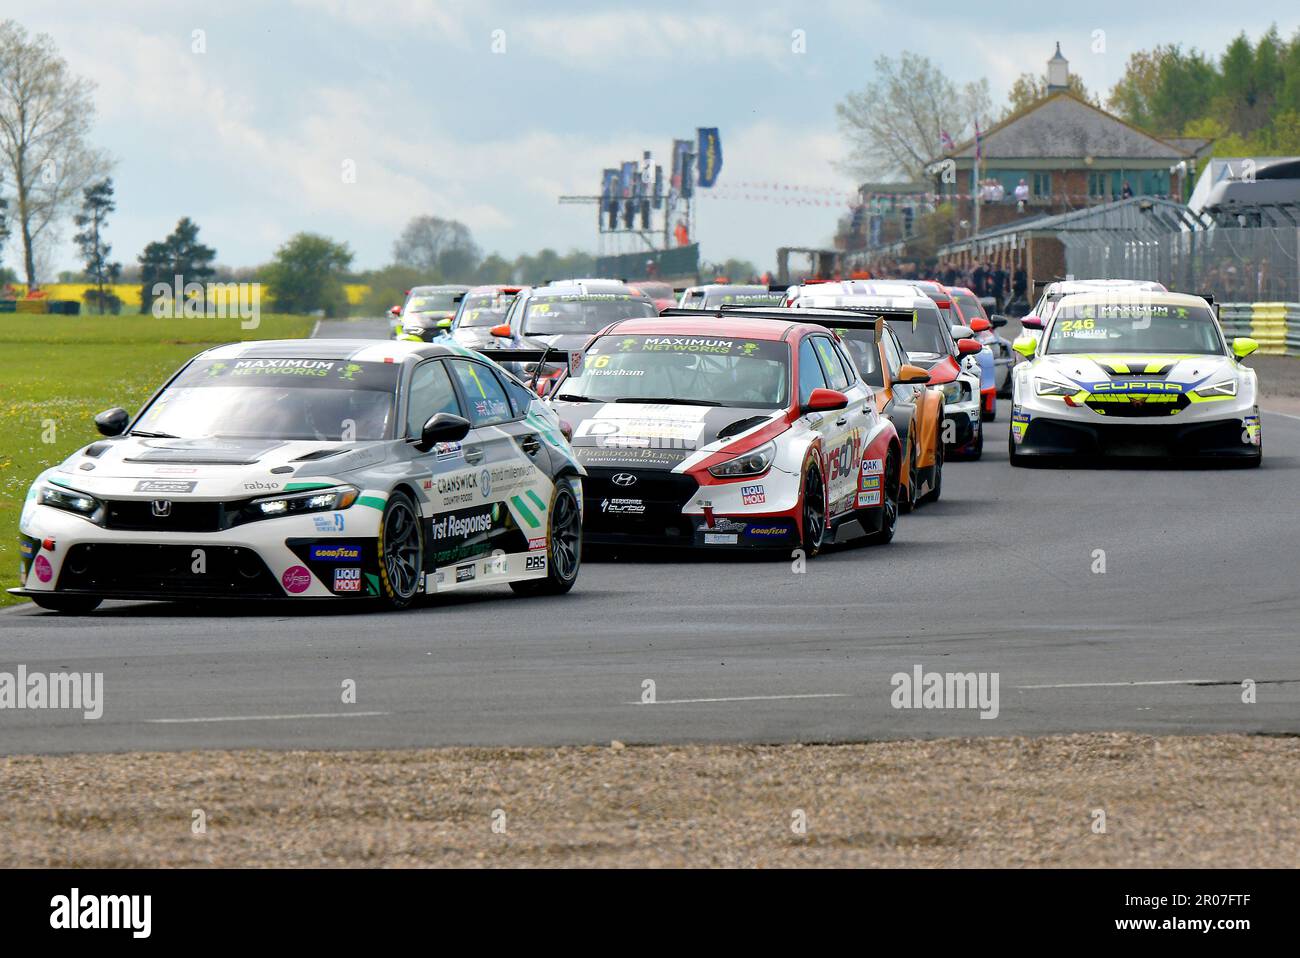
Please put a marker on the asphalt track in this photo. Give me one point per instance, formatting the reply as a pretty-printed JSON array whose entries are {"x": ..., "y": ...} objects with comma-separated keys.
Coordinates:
[{"x": 1201, "y": 591}]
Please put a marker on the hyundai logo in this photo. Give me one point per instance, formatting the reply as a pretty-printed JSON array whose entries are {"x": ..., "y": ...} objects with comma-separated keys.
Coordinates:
[
  {"x": 162, "y": 508},
  {"x": 624, "y": 479}
]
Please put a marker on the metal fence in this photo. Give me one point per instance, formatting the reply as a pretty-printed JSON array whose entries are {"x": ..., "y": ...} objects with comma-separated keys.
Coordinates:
[
  {"x": 1236, "y": 265},
  {"x": 676, "y": 263}
]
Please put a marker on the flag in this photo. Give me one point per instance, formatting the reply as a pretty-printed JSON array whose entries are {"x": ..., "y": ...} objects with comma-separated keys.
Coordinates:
[
  {"x": 710, "y": 156},
  {"x": 945, "y": 140}
]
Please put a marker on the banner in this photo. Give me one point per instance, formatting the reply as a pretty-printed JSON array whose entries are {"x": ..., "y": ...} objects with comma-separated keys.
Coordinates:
[
  {"x": 681, "y": 181},
  {"x": 710, "y": 156},
  {"x": 609, "y": 196}
]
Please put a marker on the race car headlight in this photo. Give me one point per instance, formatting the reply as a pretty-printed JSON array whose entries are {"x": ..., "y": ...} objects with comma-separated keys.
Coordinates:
[
  {"x": 1047, "y": 387},
  {"x": 69, "y": 499},
  {"x": 954, "y": 392},
  {"x": 750, "y": 464},
  {"x": 320, "y": 500},
  {"x": 1226, "y": 388}
]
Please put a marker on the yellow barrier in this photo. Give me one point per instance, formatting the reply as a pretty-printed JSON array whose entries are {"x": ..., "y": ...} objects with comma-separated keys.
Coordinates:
[
  {"x": 1268, "y": 327},
  {"x": 129, "y": 293}
]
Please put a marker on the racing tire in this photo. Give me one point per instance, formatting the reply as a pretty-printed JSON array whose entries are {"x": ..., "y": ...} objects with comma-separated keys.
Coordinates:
[
  {"x": 890, "y": 492},
  {"x": 989, "y": 415},
  {"x": 812, "y": 507},
  {"x": 908, "y": 502},
  {"x": 67, "y": 604},
  {"x": 936, "y": 475},
  {"x": 401, "y": 552},
  {"x": 564, "y": 550},
  {"x": 976, "y": 447}
]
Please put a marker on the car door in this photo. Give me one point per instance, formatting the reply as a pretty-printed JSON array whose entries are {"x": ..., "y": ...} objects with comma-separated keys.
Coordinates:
[
  {"x": 840, "y": 429},
  {"x": 513, "y": 479}
]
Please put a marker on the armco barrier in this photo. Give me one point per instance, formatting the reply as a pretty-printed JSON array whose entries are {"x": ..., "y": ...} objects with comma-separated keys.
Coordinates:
[{"x": 1268, "y": 328}]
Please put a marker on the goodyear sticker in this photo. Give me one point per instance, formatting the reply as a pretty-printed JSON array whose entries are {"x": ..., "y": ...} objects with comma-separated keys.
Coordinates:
[
  {"x": 1251, "y": 431},
  {"x": 1019, "y": 424},
  {"x": 869, "y": 498}
]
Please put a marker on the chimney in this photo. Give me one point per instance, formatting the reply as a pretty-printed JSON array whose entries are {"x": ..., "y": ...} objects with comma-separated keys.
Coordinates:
[{"x": 1058, "y": 72}]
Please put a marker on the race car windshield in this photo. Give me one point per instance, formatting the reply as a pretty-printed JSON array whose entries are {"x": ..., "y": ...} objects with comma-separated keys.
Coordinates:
[
  {"x": 713, "y": 370},
  {"x": 289, "y": 399},
  {"x": 970, "y": 306},
  {"x": 760, "y": 297},
  {"x": 1134, "y": 328},
  {"x": 860, "y": 344},
  {"x": 582, "y": 314},
  {"x": 432, "y": 302},
  {"x": 924, "y": 334},
  {"x": 484, "y": 309}
]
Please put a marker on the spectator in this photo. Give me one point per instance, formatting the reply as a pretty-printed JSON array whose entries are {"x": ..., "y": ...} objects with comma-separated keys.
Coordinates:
[
  {"x": 998, "y": 285},
  {"x": 996, "y": 193},
  {"x": 979, "y": 280},
  {"x": 1126, "y": 192},
  {"x": 1022, "y": 194}
]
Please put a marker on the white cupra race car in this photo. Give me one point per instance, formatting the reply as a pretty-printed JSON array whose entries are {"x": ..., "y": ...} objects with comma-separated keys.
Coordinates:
[
  {"x": 307, "y": 469},
  {"x": 1134, "y": 373}
]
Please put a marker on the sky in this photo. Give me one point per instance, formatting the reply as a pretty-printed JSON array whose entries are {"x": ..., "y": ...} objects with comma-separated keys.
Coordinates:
[{"x": 487, "y": 111}]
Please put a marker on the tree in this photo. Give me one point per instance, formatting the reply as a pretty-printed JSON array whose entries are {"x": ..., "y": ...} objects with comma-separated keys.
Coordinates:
[
  {"x": 897, "y": 122},
  {"x": 444, "y": 250},
  {"x": 307, "y": 275},
  {"x": 95, "y": 207},
  {"x": 1029, "y": 89},
  {"x": 45, "y": 116},
  {"x": 179, "y": 255}
]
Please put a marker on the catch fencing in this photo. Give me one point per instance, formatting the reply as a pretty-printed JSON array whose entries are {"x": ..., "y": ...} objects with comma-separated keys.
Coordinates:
[{"x": 1236, "y": 265}]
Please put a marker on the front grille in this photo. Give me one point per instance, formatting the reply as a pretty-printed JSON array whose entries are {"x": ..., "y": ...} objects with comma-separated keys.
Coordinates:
[
  {"x": 183, "y": 516},
  {"x": 661, "y": 496},
  {"x": 1152, "y": 407},
  {"x": 167, "y": 570}
]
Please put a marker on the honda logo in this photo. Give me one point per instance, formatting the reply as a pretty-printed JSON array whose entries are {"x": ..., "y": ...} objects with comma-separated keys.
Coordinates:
[
  {"x": 624, "y": 479},
  {"x": 162, "y": 508}
]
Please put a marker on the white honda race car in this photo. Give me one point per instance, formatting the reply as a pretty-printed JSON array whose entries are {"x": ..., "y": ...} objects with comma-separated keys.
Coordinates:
[
  {"x": 1145, "y": 374},
  {"x": 311, "y": 469}
]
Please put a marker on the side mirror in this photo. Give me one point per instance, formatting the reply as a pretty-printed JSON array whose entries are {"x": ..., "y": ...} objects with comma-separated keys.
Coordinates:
[
  {"x": 980, "y": 325},
  {"x": 444, "y": 323},
  {"x": 1031, "y": 322},
  {"x": 501, "y": 331},
  {"x": 442, "y": 427},
  {"x": 113, "y": 422},
  {"x": 1026, "y": 346},
  {"x": 997, "y": 322},
  {"x": 825, "y": 400},
  {"x": 967, "y": 346},
  {"x": 909, "y": 375},
  {"x": 1242, "y": 347},
  {"x": 960, "y": 332}
]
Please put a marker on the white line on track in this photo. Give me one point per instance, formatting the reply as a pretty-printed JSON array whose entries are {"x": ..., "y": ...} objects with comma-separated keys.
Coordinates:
[
  {"x": 1112, "y": 685},
  {"x": 263, "y": 718},
  {"x": 746, "y": 698},
  {"x": 1284, "y": 415}
]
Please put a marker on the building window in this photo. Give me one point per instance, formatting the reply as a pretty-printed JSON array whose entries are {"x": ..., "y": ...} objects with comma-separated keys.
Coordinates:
[
  {"x": 1042, "y": 184},
  {"x": 1099, "y": 184}
]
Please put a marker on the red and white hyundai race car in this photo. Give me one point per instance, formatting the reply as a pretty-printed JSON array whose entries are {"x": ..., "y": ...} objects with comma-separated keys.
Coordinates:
[{"x": 728, "y": 433}]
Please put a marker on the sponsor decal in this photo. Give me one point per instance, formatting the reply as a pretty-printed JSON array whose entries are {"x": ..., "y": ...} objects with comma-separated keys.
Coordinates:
[
  {"x": 535, "y": 563},
  {"x": 723, "y": 524},
  {"x": 575, "y": 363},
  {"x": 1253, "y": 435},
  {"x": 282, "y": 367},
  {"x": 769, "y": 532},
  {"x": 871, "y": 482},
  {"x": 535, "y": 544},
  {"x": 752, "y": 495},
  {"x": 840, "y": 460},
  {"x": 464, "y": 573},
  {"x": 176, "y": 470},
  {"x": 720, "y": 538},
  {"x": 442, "y": 451},
  {"x": 624, "y": 479},
  {"x": 347, "y": 580},
  {"x": 485, "y": 483},
  {"x": 504, "y": 479},
  {"x": 426, "y": 484},
  {"x": 295, "y": 579},
  {"x": 455, "y": 526},
  {"x": 27, "y": 547},
  {"x": 873, "y": 465},
  {"x": 343, "y": 552},
  {"x": 330, "y": 523},
  {"x": 261, "y": 486},
  {"x": 457, "y": 489},
  {"x": 1019, "y": 424},
  {"x": 622, "y": 506},
  {"x": 165, "y": 485},
  {"x": 869, "y": 498},
  {"x": 43, "y": 570},
  {"x": 628, "y": 456}
]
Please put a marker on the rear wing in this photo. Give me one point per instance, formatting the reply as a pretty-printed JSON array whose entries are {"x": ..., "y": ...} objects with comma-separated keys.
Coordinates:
[
  {"x": 569, "y": 360},
  {"x": 838, "y": 317}
]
